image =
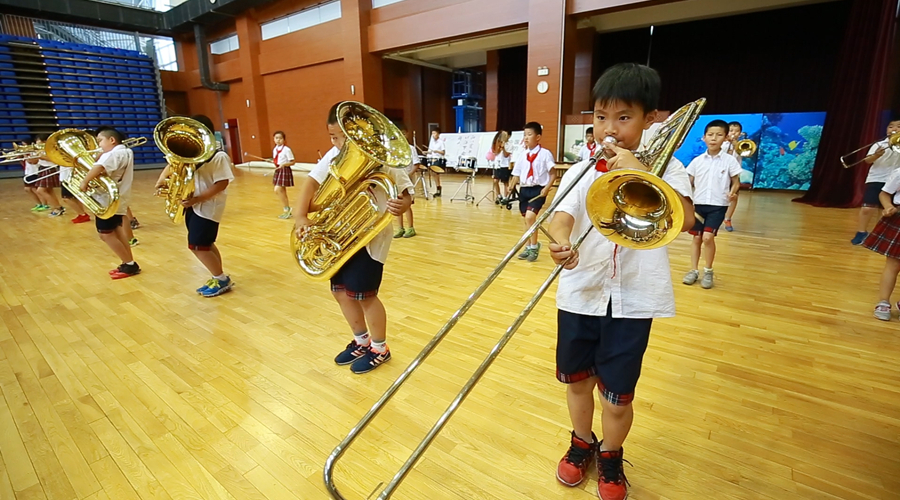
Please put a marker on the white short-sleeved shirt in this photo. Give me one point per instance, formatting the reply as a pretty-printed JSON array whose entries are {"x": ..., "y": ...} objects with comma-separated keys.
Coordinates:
[
  {"x": 31, "y": 168},
  {"x": 892, "y": 186},
  {"x": 501, "y": 159},
  {"x": 882, "y": 168},
  {"x": 586, "y": 153},
  {"x": 712, "y": 178},
  {"x": 729, "y": 148},
  {"x": 378, "y": 248},
  {"x": 282, "y": 155},
  {"x": 438, "y": 144},
  {"x": 119, "y": 165},
  {"x": 218, "y": 168},
  {"x": 543, "y": 164},
  {"x": 415, "y": 161},
  {"x": 638, "y": 283}
]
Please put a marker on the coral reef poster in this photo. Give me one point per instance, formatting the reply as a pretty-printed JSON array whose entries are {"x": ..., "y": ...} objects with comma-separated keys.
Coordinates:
[
  {"x": 693, "y": 145},
  {"x": 787, "y": 153}
]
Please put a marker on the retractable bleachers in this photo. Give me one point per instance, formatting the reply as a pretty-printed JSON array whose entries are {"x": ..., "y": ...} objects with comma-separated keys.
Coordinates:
[{"x": 47, "y": 85}]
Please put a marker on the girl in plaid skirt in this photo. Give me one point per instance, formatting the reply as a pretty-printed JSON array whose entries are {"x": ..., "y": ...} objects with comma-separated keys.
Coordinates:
[
  {"x": 48, "y": 175},
  {"x": 885, "y": 239},
  {"x": 283, "y": 178}
]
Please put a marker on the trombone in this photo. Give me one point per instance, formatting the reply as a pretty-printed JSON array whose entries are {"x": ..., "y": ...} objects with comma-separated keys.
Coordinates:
[
  {"x": 890, "y": 142},
  {"x": 21, "y": 152},
  {"x": 621, "y": 207}
]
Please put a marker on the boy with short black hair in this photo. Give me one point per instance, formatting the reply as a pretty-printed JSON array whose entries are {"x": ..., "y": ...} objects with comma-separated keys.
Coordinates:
[
  {"x": 735, "y": 130},
  {"x": 609, "y": 295},
  {"x": 883, "y": 161},
  {"x": 117, "y": 162},
  {"x": 355, "y": 286},
  {"x": 203, "y": 214},
  {"x": 716, "y": 177},
  {"x": 590, "y": 145},
  {"x": 534, "y": 169},
  {"x": 437, "y": 149}
]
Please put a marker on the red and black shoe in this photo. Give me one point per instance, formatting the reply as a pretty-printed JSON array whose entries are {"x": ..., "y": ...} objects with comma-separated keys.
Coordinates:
[
  {"x": 612, "y": 483},
  {"x": 573, "y": 466},
  {"x": 125, "y": 271}
]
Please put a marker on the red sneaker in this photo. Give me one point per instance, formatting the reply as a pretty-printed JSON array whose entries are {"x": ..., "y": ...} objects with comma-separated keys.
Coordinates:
[
  {"x": 612, "y": 483},
  {"x": 573, "y": 466},
  {"x": 81, "y": 218}
]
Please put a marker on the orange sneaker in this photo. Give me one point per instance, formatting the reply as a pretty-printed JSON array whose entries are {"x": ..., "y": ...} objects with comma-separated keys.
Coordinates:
[
  {"x": 612, "y": 483},
  {"x": 573, "y": 466}
]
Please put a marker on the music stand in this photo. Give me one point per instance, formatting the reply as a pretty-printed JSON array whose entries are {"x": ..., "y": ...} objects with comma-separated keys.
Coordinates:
[
  {"x": 420, "y": 178},
  {"x": 468, "y": 166}
]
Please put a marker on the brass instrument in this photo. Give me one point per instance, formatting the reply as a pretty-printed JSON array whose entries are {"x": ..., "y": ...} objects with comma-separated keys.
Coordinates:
[
  {"x": 75, "y": 148},
  {"x": 639, "y": 190},
  {"x": 893, "y": 143},
  {"x": 186, "y": 143},
  {"x": 131, "y": 142},
  {"x": 745, "y": 148},
  {"x": 21, "y": 152},
  {"x": 344, "y": 214}
]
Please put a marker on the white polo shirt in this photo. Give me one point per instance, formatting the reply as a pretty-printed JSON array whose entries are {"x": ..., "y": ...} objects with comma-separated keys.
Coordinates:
[
  {"x": 218, "y": 168},
  {"x": 638, "y": 283},
  {"x": 543, "y": 164},
  {"x": 282, "y": 155},
  {"x": 119, "y": 165},
  {"x": 378, "y": 248},
  {"x": 712, "y": 178},
  {"x": 892, "y": 186},
  {"x": 585, "y": 153},
  {"x": 415, "y": 161},
  {"x": 882, "y": 168},
  {"x": 438, "y": 144}
]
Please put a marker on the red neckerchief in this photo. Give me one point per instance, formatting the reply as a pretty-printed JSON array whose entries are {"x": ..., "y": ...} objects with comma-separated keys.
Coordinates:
[
  {"x": 531, "y": 158},
  {"x": 601, "y": 165},
  {"x": 591, "y": 147},
  {"x": 278, "y": 151}
]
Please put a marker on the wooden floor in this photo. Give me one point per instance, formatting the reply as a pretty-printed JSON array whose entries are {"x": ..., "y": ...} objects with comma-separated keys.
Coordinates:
[{"x": 776, "y": 384}]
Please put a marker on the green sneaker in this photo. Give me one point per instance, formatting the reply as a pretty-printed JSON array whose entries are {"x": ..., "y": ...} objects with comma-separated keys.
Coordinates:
[
  {"x": 399, "y": 233},
  {"x": 286, "y": 215},
  {"x": 410, "y": 232},
  {"x": 41, "y": 208},
  {"x": 134, "y": 242}
]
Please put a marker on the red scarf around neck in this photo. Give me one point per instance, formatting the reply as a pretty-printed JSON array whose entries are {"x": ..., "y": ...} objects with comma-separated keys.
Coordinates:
[
  {"x": 592, "y": 147},
  {"x": 531, "y": 157},
  {"x": 278, "y": 151}
]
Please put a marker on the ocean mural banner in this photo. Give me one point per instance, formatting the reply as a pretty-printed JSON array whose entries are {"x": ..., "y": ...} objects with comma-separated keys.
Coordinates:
[{"x": 787, "y": 147}]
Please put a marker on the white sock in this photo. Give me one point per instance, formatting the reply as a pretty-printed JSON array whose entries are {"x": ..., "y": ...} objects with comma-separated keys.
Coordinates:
[
  {"x": 362, "y": 338},
  {"x": 379, "y": 347},
  {"x": 221, "y": 277},
  {"x": 131, "y": 263},
  {"x": 287, "y": 209},
  {"x": 707, "y": 269}
]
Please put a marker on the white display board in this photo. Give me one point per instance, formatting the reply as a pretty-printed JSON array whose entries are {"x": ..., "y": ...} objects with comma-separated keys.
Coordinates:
[{"x": 475, "y": 145}]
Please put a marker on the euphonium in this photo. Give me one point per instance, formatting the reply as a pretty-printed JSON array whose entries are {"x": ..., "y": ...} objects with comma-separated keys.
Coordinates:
[
  {"x": 344, "y": 213},
  {"x": 638, "y": 209},
  {"x": 186, "y": 143},
  {"x": 75, "y": 148}
]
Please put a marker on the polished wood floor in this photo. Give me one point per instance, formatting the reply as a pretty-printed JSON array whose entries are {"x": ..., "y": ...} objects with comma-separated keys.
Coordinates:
[{"x": 776, "y": 384}]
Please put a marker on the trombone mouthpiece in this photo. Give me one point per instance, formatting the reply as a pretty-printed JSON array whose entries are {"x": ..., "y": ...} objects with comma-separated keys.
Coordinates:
[{"x": 607, "y": 141}]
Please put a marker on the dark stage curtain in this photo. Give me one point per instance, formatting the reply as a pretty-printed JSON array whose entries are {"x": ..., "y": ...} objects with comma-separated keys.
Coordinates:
[
  {"x": 857, "y": 100},
  {"x": 775, "y": 61},
  {"x": 512, "y": 76}
]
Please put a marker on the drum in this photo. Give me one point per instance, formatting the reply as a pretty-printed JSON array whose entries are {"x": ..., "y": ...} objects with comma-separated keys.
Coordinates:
[
  {"x": 437, "y": 165},
  {"x": 467, "y": 164}
]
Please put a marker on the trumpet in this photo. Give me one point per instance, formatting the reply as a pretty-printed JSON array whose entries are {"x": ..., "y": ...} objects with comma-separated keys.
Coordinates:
[
  {"x": 891, "y": 142},
  {"x": 633, "y": 198}
]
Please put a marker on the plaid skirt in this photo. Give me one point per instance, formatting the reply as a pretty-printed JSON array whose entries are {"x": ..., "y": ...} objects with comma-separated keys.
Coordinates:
[
  {"x": 48, "y": 182},
  {"x": 283, "y": 176},
  {"x": 885, "y": 238}
]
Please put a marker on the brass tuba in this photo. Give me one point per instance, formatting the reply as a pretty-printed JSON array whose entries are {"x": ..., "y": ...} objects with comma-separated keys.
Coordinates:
[
  {"x": 76, "y": 148},
  {"x": 344, "y": 213},
  {"x": 638, "y": 209},
  {"x": 186, "y": 143}
]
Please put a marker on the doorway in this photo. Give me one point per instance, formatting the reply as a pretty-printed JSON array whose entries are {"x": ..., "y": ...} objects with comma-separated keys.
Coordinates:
[{"x": 234, "y": 141}]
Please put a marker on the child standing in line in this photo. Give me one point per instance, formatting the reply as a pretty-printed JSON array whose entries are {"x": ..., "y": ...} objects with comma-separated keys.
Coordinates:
[{"x": 283, "y": 178}]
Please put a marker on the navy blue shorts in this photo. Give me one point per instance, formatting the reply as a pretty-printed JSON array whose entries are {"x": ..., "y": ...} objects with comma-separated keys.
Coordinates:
[
  {"x": 108, "y": 225},
  {"x": 611, "y": 349},
  {"x": 202, "y": 232},
  {"x": 526, "y": 194},
  {"x": 873, "y": 190},
  {"x": 360, "y": 277},
  {"x": 709, "y": 219}
]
